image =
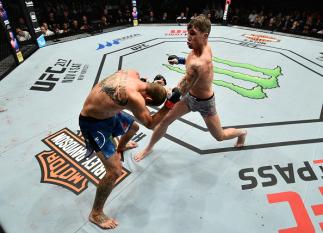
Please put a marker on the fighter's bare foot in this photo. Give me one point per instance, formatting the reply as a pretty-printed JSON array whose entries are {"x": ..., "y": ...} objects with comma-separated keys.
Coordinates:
[
  {"x": 241, "y": 139},
  {"x": 131, "y": 145},
  {"x": 103, "y": 221},
  {"x": 142, "y": 154}
]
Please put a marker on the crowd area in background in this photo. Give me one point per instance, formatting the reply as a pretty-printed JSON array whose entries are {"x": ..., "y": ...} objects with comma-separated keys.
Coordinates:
[
  {"x": 63, "y": 18},
  {"x": 301, "y": 22}
]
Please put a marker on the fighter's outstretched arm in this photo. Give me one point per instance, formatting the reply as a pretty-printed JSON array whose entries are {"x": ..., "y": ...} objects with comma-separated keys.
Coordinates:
[{"x": 140, "y": 111}]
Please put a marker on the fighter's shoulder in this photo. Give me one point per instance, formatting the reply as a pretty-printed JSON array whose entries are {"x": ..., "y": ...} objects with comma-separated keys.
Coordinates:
[
  {"x": 196, "y": 64},
  {"x": 134, "y": 97}
]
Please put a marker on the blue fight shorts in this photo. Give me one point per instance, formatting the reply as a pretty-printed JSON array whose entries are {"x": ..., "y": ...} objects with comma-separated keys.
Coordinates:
[{"x": 99, "y": 134}]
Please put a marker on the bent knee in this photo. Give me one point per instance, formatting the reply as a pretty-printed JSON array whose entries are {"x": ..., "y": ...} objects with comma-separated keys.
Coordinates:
[
  {"x": 219, "y": 138},
  {"x": 114, "y": 173},
  {"x": 117, "y": 172}
]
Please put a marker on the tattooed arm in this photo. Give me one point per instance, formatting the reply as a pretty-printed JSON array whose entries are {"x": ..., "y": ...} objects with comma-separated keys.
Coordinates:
[{"x": 190, "y": 78}]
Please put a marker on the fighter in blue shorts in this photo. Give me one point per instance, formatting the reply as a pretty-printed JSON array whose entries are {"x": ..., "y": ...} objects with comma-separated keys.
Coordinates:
[
  {"x": 102, "y": 118},
  {"x": 99, "y": 134}
]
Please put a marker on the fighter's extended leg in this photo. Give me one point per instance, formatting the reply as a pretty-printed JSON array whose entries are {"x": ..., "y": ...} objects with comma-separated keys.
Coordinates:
[
  {"x": 114, "y": 170},
  {"x": 159, "y": 131},
  {"x": 213, "y": 123}
]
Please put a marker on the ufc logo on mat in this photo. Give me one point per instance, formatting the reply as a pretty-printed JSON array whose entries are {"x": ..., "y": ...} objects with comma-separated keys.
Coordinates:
[{"x": 301, "y": 216}]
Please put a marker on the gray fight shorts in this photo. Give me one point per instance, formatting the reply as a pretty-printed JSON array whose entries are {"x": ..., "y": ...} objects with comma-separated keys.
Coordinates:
[{"x": 206, "y": 107}]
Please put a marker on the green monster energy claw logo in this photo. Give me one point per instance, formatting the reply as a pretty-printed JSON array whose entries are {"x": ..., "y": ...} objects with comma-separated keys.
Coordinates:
[{"x": 270, "y": 80}]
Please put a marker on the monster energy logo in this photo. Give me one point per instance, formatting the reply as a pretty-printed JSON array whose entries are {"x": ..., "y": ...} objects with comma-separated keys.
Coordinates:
[{"x": 259, "y": 84}]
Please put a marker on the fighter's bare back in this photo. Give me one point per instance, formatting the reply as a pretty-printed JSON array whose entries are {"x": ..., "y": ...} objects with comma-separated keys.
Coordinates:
[{"x": 112, "y": 94}]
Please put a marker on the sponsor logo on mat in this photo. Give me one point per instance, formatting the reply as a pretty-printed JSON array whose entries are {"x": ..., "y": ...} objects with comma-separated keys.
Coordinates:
[
  {"x": 117, "y": 41},
  {"x": 66, "y": 163},
  {"x": 250, "y": 81},
  {"x": 262, "y": 39},
  {"x": 320, "y": 58},
  {"x": 289, "y": 174},
  {"x": 63, "y": 71},
  {"x": 176, "y": 32}
]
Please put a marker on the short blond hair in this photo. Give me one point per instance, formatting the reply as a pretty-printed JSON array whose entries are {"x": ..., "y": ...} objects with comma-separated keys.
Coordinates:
[
  {"x": 201, "y": 23},
  {"x": 157, "y": 93}
]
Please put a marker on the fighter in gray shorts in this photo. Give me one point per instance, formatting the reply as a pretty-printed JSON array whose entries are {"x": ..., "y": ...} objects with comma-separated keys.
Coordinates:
[{"x": 206, "y": 107}]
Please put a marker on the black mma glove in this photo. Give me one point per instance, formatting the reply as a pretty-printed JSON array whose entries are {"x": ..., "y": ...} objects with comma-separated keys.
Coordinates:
[
  {"x": 173, "y": 98},
  {"x": 173, "y": 59},
  {"x": 160, "y": 77}
]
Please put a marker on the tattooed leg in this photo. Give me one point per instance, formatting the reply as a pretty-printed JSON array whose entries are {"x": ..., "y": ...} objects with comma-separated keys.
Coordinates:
[{"x": 113, "y": 168}]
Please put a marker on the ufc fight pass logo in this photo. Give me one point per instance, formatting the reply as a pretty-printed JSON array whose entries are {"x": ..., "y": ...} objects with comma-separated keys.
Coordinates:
[{"x": 272, "y": 175}]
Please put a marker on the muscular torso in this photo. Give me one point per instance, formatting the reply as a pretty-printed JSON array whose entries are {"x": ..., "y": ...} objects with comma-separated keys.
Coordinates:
[
  {"x": 112, "y": 95},
  {"x": 203, "y": 87}
]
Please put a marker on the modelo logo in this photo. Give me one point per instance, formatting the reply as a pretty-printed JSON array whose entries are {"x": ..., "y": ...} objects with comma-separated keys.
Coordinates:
[
  {"x": 115, "y": 41},
  {"x": 261, "y": 38}
]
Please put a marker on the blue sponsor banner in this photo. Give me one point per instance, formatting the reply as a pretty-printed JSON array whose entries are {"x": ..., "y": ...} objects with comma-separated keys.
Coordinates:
[
  {"x": 108, "y": 44},
  {"x": 41, "y": 41},
  {"x": 116, "y": 41}
]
